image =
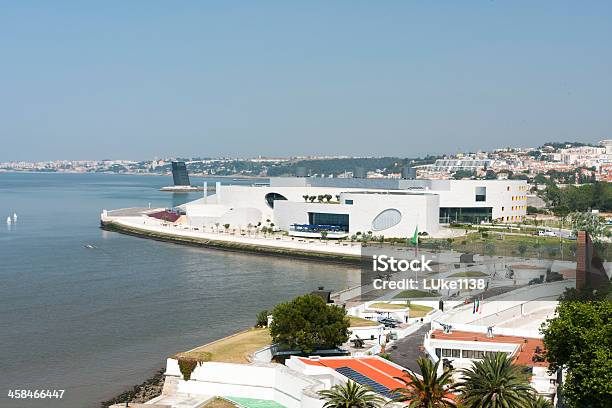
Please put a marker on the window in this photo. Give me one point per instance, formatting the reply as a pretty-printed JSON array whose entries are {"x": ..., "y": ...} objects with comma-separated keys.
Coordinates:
[
  {"x": 271, "y": 197},
  {"x": 465, "y": 214},
  {"x": 481, "y": 194},
  {"x": 386, "y": 219},
  {"x": 508, "y": 188},
  {"x": 348, "y": 202},
  {"x": 336, "y": 220},
  {"x": 503, "y": 208}
]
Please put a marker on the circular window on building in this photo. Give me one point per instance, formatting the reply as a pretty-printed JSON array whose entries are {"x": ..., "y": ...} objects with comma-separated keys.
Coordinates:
[
  {"x": 271, "y": 197},
  {"x": 386, "y": 219}
]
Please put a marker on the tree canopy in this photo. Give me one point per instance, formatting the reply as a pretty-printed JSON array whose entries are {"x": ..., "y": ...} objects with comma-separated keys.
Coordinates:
[
  {"x": 582, "y": 198},
  {"x": 579, "y": 339},
  {"x": 307, "y": 323}
]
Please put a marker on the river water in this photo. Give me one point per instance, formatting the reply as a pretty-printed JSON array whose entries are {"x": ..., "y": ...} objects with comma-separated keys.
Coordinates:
[{"x": 94, "y": 322}]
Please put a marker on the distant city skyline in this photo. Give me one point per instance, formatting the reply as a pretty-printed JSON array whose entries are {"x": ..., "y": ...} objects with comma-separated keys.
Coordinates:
[{"x": 151, "y": 79}]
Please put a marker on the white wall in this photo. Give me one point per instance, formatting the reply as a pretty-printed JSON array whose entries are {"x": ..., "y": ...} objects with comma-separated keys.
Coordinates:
[
  {"x": 260, "y": 381},
  {"x": 500, "y": 193},
  {"x": 416, "y": 210},
  {"x": 241, "y": 205}
]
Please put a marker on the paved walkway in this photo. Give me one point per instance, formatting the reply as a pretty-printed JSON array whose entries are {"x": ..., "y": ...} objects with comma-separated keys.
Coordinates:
[
  {"x": 406, "y": 351},
  {"x": 180, "y": 400}
]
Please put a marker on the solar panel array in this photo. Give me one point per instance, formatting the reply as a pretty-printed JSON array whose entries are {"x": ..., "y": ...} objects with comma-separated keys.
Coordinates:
[{"x": 367, "y": 381}]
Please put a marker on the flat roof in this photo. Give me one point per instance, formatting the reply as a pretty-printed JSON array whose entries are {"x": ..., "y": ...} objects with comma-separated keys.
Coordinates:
[{"x": 526, "y": 351}]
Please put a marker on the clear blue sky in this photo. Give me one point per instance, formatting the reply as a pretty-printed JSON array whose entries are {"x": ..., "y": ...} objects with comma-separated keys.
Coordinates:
[{"x": 137, "y": 79}]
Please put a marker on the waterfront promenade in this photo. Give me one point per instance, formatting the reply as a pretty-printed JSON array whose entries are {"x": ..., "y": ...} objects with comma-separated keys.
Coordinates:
[{"x": 135, "y": 221}]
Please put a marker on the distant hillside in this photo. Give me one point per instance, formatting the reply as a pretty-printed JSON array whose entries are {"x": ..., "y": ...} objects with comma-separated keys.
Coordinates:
[{"x": 385, "y": 165}]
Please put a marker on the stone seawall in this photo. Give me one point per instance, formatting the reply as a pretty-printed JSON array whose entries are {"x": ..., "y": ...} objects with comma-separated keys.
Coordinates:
[{"x": 263, "y": 249}]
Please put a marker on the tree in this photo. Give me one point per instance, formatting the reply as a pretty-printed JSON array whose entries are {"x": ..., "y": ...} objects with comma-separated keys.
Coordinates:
[
  {"x": 490, "y": 175},
  {"x": 461, "y": 174},
  {"x": 351, "y": 394},
  {"x": 578, "y": 339},
  {"x": 432, "y": 391},
  {"x": 541, "y": 402},
  {"x": 495, "y": 382},
  {"x": 591, "y": 223},
  {"x": 307, "y": 323},
  {"x": 262, "y": 319}
]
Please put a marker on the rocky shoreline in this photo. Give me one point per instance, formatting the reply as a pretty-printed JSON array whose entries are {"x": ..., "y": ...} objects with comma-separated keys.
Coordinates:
[{"x": 141, "y": 393}]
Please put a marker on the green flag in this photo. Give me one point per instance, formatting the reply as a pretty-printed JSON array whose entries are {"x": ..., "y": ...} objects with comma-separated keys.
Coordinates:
[{"x": 415, "y": 237}]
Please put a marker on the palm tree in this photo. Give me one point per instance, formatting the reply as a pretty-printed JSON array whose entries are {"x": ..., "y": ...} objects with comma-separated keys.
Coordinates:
[
  {"x": 351, "y": 395},
  {"x": 541, "y": 402},
  {"x": 495, "y": 382},
  {"x": 432, "y": 391}
]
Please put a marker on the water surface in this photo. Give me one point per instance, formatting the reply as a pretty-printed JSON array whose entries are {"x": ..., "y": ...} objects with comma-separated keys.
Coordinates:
[{"x": 96, "y": 321}]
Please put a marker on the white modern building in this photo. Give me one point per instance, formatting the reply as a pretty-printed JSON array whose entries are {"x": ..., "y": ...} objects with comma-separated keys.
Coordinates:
[{"x": 305, "y": 206}]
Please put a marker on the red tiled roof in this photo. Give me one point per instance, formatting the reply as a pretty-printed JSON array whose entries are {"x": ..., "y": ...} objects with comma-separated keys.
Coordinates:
[
  {"x": 371, "y": 367},
  {"x": 374, "y": 368},
  {"x": 524, "y": 355}
]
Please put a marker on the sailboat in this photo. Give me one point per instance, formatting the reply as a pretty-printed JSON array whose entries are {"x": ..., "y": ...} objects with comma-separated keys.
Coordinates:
[
  {"x": 9, "y": 221},
  {"x": 14, "y": 218}
]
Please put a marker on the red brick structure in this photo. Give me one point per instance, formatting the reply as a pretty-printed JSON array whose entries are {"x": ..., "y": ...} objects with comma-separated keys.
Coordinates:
[
  {"x": 590, "y": 270},
  {"x": 584, "y": 251}
]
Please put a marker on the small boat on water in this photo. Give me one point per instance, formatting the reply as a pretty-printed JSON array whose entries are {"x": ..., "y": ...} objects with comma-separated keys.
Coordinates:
[
  {"x": 89, "y": 246},
  {"x": 14, "y": 217},
  {"x": 9, "y": 221}
]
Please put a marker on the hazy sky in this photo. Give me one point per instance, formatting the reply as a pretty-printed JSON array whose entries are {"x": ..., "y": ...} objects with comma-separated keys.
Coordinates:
[{"x": 138, "y": 79}]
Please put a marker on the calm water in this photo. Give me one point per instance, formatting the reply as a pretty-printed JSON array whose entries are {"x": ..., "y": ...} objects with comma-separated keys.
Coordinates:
[{"x": 96, "y": 321}]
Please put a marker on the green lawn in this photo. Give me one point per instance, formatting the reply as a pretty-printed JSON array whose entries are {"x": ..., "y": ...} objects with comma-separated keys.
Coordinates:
[
  {"x": 468, "y": 274},
  {"x": 492, "y": 244},
  {"x": 359, "y": 322},
  {"x": 414, "y": 293},
  {"x": 232, "y": 349}
]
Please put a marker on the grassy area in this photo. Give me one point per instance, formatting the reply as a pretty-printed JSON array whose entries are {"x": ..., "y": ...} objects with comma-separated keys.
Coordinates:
[
  {"x": 232, "y": 349},
  {"x": 468, "y": 274},
  {"x": 414, "y": 293},
  {"x": 219, "y": 403},
  {"x": 359, "y": 322},
  {"x": 419, "y": 310},
  {"x": 497, "y": 244},
  {"x": 388, "y": 306}
]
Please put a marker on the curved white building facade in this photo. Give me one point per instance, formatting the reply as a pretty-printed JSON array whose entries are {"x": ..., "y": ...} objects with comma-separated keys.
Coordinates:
[{"x": 393, "y": 208}]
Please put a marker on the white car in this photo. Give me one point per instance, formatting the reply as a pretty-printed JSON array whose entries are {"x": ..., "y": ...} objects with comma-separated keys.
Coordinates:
[{"x": 546, "y": 234}]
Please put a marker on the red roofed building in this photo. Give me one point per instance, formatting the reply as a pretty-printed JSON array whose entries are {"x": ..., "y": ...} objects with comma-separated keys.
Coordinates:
[{"x": 462, "y": 348}]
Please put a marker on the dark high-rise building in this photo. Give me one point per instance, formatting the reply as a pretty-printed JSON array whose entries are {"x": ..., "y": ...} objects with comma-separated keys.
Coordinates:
[{"x": 179, "y": 174}]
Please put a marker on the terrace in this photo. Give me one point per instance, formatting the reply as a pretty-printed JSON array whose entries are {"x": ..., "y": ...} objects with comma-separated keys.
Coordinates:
[{"x": 233, "y": 349}]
